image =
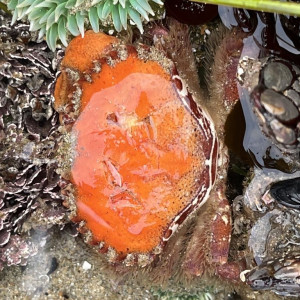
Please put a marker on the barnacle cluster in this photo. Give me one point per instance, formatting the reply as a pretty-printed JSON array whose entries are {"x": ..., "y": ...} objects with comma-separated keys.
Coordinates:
[
  {"x": 56, "y": 19},
  {"x": 29, "y": 186}
]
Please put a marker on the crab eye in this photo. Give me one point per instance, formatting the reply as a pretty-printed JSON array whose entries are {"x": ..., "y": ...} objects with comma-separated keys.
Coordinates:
[{"x": 287, "y": 192}]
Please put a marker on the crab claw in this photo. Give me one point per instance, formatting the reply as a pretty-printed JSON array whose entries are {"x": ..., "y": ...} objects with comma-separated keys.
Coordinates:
[{"x": 282, "y": 276}]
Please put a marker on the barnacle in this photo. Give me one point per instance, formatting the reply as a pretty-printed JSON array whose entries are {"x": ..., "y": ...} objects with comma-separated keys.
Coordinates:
[{"x": 56, "y": 18}]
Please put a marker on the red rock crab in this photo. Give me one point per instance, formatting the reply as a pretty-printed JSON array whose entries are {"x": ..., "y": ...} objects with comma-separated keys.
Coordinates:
[{"x": 146, "y": 155}]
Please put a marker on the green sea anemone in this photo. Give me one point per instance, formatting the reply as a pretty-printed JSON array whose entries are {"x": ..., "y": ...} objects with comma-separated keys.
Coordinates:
[{"x": 57, "y": 18}]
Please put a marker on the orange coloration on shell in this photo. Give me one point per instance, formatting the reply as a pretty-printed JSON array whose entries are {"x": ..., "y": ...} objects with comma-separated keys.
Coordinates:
[
  {"x": 82, "y": 52},
  {"x": 112, "y": 76},
  {"x": 79, "y": 56},
  {"x": 139, "y": 151}
]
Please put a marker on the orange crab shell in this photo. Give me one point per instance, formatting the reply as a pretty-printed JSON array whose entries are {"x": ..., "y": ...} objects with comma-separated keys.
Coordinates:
[{"x": 145, "y": 152}]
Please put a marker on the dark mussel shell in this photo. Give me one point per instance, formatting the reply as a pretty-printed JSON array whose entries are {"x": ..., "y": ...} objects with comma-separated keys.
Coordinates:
[{"x": 287, "y": 192}]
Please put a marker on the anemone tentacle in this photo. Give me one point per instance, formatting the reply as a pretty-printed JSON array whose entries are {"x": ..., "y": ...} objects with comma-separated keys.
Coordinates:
[{"x": 59, "y": 18}]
